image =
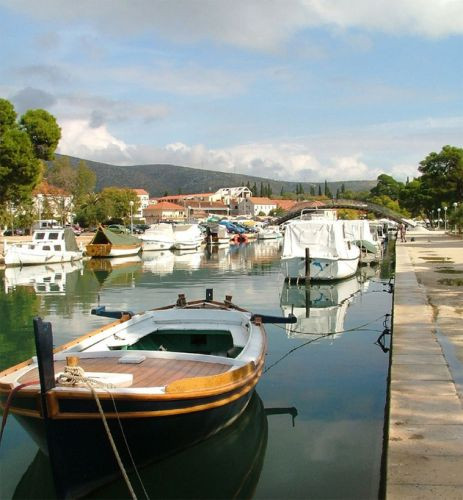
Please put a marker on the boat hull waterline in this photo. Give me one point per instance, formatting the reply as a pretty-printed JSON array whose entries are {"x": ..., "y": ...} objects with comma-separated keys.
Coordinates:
[{"x": 320, "y": 268}]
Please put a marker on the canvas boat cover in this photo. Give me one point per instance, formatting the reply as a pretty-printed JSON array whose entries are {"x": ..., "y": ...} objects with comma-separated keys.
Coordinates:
[
  {"x": 104, "y": 236},
  {"x": 358, "y": 230},
  {"x": 70, "y": 242},
  {"x": 159, "y": 232},
  {"x": 187, "y": 232},
  {"x": 325, "y": 239}
]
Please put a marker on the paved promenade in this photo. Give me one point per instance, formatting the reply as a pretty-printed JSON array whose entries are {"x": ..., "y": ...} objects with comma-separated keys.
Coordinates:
[{"x": 425, "y": 448}]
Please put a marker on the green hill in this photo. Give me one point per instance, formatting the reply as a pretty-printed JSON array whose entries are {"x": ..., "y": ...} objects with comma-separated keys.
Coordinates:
[{"x": 158, "y": 179}]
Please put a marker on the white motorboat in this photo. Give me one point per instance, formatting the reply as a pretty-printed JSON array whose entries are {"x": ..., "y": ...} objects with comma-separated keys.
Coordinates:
[
  {"x": 269, "y": 233},
  {"x": 217, "y": 235},
  {"x": 158, "y": 237},
  {"x": 320, "y": 308},
  {"x": 359, "y": 232},
  {"x": 48, "y": 246},
  {"x": 187, "y": 236},
  {"x": 318, "y": 250}
]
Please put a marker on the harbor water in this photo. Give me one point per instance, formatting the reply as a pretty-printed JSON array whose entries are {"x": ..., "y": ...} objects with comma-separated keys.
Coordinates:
[{"x": 314, "y": 428}]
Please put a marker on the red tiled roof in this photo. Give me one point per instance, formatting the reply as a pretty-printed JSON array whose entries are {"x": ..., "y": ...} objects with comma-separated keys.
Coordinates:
[
  {"x": 285, "y": 204},
  {"x": 140, "y": 191},
  {"x": 164, "y": 205},
  {"x": 259, "y": 200},
  {"x": 49, "y": 190}
]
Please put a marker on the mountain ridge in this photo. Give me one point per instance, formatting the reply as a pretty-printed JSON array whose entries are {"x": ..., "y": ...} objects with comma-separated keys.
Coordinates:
[{"x": 159, "y": 178}]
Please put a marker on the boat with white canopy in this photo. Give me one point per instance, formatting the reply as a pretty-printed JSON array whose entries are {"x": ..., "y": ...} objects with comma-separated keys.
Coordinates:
[
  {"x": 158, "y": 237},
  {"x": 318, "y": 250},
  {"x": 187, "y": 236}
]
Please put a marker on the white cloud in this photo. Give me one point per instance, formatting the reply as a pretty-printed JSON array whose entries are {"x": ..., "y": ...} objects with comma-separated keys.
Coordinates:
[
  {"x": 252, "y": 23},
  {"x": 356, "y": 154},
  {"x": 79, "y": 138}
]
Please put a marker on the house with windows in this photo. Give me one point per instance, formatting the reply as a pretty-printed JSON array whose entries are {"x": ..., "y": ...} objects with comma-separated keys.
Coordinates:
[
  {"x": 143, "y": 202},
  {"x": 164, "y": 211},
  {"x": 256, "y": 205},
  {"x": 51, "y": 202}
]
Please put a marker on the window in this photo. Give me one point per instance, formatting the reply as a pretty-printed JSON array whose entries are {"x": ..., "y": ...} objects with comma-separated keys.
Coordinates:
[
  {"x": 39, "y": 236},
  {"x": 58, "y": 248},
  {"x": 46, "y": 247},
  {"x": 53, "y": 236}
]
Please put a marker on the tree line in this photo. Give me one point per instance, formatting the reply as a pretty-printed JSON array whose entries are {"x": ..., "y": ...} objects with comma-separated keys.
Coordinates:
[{"x": 28, "y": 144}]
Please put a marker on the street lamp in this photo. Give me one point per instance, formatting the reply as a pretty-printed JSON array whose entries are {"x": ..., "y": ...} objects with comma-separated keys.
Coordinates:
[
  {"x": 455, "y": 204},
  {"x": 438, "y": 218},
  {"x": 131, "y": 216},
  {"x": 445, "y": 218}
]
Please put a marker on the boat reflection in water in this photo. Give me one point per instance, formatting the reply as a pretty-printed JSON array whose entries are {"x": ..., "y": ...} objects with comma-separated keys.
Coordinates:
[
  {"x": 161, "y": 262},
  {"x": 226, "y": 465},
  {"x": 188, "y": 260},
  {"x": 320, "y": 308},
  {"x": 115, "y": 271},
  {"x": 44, "y": 279}
]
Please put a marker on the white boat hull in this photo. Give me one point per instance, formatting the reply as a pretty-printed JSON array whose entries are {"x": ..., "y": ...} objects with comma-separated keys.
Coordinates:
[
  {"x": 21, "y": 255},
  {"x": 320, "y": 268},
  {"x": 187, "y": 245},
  {"x": 120, "y": 252},
  {"x": 151, "y": 246}
]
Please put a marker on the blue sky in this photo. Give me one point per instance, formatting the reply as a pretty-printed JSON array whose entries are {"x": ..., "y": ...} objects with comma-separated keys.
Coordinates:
[{"x": 301, "y": 90}]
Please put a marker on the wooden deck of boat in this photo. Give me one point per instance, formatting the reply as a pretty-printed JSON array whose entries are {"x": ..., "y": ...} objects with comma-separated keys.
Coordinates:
[{"x": 152, "y": 372}]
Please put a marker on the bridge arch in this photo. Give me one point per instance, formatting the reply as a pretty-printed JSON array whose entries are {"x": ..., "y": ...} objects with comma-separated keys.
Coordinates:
[{"x": 349, "y": 204}]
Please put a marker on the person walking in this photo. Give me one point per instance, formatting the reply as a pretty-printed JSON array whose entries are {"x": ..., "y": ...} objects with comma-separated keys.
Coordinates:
[{"x": 402, "y": 232}]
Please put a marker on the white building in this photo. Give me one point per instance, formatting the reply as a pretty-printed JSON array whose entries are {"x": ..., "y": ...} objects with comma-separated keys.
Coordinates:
[
  {"x": 52, "y": 201},
  {"x": 255, "y": 205},
  {"x": 227, "y": 195},
  {"x": 143, "y": 202}
]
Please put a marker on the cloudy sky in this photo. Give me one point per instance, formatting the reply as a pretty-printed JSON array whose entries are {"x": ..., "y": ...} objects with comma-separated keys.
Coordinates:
[{"x": 301, "y": 90}]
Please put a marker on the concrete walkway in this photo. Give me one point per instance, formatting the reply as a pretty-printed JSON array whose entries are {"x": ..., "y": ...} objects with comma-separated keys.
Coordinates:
[{"x": 425, "y": 446}]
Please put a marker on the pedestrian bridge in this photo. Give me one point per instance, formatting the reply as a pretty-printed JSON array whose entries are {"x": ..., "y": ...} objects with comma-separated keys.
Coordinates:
[{"x": 307, "y": 206}]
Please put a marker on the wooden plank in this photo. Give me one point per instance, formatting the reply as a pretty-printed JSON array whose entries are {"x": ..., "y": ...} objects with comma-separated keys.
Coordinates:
[{"x": 150, "y": 373}]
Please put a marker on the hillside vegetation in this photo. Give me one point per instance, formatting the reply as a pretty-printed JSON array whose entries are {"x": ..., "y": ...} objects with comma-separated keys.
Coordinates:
[{"x": 159, "y": 179}]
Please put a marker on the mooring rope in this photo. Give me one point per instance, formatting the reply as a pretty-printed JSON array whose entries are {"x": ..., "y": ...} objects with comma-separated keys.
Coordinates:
[{"x": 75, "y": 375}]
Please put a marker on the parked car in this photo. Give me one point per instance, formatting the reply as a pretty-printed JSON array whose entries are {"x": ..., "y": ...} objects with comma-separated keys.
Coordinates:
[
  {"x": 119, "y": 229},
  {"x": 15, "y": 232}
]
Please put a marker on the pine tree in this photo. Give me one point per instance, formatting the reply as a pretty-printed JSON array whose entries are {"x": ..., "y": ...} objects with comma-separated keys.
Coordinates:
[{"x": 319, "y": 190}]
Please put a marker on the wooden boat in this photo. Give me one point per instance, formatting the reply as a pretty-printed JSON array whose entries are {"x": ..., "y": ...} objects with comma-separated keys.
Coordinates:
[
  {"x": 204, "y": 468},
  {"x": 106, "y": 243},
  {"x": 318, "y": 250},
  {"x": 165, "y": 378},
  {"x": 48, "y": 246}
]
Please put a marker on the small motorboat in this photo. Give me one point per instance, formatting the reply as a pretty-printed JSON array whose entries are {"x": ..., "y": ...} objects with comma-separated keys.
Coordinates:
[
  {"x": 158, "y": 237},
  {"x": 187, "y": 236},
  {"x": 269, "y": 233},
  {"x": 107, "y": 243},
  {"x": 318, "y": 250},
  {"x": 48, "y": 246},
  {"x": 217, "y": 235},
  {"x": 159, "y": 380}
]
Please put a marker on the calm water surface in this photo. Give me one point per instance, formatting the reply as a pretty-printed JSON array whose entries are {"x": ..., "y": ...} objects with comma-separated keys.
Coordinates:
[{"x": 314, "y": 428}]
